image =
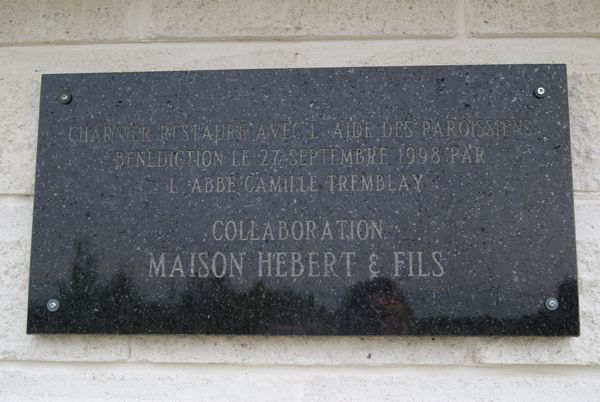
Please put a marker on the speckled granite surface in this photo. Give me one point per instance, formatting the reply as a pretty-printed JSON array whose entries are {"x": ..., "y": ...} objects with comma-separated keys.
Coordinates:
[{"x": 361, "y": 201}]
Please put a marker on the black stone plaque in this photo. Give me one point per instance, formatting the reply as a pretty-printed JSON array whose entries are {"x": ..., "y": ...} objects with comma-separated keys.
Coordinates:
[{"x": 350, "y": 201}]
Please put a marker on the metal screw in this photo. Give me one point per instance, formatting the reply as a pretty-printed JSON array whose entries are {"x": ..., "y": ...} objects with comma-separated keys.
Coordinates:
[
  {"x": 551, "y": 303},
  {"x": 52, "y": 305},
  {"x": 540, "y": 92},
  {"x": 66, "y": 98}
]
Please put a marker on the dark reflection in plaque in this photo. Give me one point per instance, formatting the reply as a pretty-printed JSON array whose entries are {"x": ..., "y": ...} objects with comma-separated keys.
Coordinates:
[{"x": 337, "y": 201}]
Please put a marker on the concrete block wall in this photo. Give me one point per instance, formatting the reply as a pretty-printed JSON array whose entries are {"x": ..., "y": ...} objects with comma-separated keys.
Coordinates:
[{"x": 60, "y": 36}]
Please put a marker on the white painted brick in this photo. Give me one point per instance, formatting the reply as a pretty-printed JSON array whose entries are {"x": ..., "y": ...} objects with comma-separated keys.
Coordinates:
[
  {"x": 584, "y": 107},
  {"x": 15, "y": 244},
  {"x": 122, "y": 368},
  {"x": 27, "y": 21},
  {"x": 19, "y": 102},
  {"x": 534, "y": 17},
  {"x": 582, "y": 350},
  {"x": 30, "y": 21},
  {"x": 216, "y": 383},
  {"x": 368, "y": 351},
  {"x": 191, "y": 19},
  {"x": 587, "y": 225},
  {"x": 21, "y": 68}
]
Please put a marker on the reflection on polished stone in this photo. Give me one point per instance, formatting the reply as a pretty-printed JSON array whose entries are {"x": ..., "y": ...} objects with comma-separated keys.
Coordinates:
[{"x": 337, "y": 201}]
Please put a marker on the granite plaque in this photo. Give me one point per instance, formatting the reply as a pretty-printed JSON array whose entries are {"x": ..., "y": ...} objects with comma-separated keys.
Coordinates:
[{"x": 328, "y": 201}]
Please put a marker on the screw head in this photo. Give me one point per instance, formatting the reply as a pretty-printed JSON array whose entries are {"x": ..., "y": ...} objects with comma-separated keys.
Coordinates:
[
  {"x": 551, "y": 303},
  {"x": 66, "y": 98},
  {"x": 52, "y": 305},
  {"x": 539, "y": 92}
]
